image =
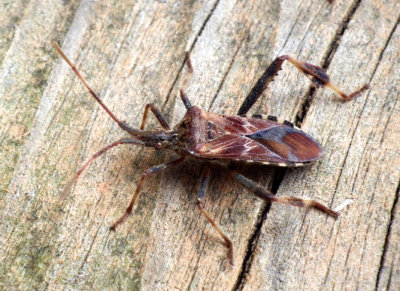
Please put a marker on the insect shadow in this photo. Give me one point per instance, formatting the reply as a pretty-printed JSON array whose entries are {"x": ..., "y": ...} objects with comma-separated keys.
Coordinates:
[{"x": 225, "y": 140}]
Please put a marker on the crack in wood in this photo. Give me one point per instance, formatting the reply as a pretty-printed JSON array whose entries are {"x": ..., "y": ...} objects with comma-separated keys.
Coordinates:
[
  {"x": 252, "y": 244},
  {"x": 386, "y": 244},
  {"x": 221, "y": 83}
]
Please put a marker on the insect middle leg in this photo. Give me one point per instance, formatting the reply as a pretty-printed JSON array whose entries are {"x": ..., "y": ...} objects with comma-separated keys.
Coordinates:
[
  {"x": 312, "y": 72},
  {"x": 151, "y": 171},
  {"x": 205, "y": 178},
  {"x": 269, "y": 197}
]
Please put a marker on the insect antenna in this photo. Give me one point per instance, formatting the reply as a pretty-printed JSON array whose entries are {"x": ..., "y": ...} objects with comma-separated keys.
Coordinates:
[
  {"x": 69, "y": 185},
  {"x": 121, "y": 124}
]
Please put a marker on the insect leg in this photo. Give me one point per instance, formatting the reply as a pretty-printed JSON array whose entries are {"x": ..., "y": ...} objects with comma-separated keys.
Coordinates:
[
  {"x": 314, "y": 73},
  {"x": 321, "y": 79},
  {"x": 189, "y": 74},
  {"x": 152, "y": 170},
  {"x": 96, "y": 155},
  {"x": 203, "y": 189},
  {"x": 269, "y": 197},
  {"x": 121, "y": 124},
  {"x": 261, "y": 84},
  {"x": 156, "y": 113}
]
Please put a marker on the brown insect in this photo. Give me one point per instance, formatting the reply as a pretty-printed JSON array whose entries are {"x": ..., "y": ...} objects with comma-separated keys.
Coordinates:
[{"x": 226, "y": 140}]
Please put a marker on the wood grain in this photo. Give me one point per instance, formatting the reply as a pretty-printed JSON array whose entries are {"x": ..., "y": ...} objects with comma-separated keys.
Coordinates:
[{"x": 132, "y": 53}]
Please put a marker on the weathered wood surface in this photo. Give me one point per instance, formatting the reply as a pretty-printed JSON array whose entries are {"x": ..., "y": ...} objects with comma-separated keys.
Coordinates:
[{"x": 132, "y": 53}]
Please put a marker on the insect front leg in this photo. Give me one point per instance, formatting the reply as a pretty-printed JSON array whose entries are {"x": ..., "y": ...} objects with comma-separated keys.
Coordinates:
[
  {"x": 269, "y": 197},
  {"x": 205, "y": 178},
  {"x": 148, "y": 172},
  {"x": 156, "y": 113},
  {"x": 312, "y": 72}
]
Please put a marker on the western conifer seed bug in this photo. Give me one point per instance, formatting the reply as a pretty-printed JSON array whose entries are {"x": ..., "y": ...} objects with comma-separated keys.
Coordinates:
[{"x": 226, "y": 140}]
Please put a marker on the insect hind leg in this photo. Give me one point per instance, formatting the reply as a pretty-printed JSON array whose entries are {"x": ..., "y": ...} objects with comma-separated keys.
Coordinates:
[
  {"x": 312, "y": 72},
  {"x": 269, "y": 197},
  {"x": 321, "y": 79},
  {"x": 261, "y": 84}
]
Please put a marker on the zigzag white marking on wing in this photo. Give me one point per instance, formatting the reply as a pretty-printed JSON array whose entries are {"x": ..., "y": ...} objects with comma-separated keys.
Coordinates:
[
  {"x": 248, "y": 146},
  {"x": 231, "y": 143}
]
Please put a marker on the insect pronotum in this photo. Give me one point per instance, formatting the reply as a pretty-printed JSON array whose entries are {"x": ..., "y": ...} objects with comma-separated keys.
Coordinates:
[{"x": 226, "y": 140}]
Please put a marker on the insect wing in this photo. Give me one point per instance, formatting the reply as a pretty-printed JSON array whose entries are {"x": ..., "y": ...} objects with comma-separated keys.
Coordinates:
[
  {"x": 276, "y": 145},
  {"x": 289, "y": 143},
  {"x": 239, "y": 125},
  {"x": 237, "y": 147}
]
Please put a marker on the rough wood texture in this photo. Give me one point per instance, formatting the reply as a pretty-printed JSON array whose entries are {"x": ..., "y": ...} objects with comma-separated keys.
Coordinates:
[{"x": 132, "y": 53}]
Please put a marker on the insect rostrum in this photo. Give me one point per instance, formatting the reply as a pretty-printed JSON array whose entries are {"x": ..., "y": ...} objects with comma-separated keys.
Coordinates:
[{"x": 223, "y": 139}]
